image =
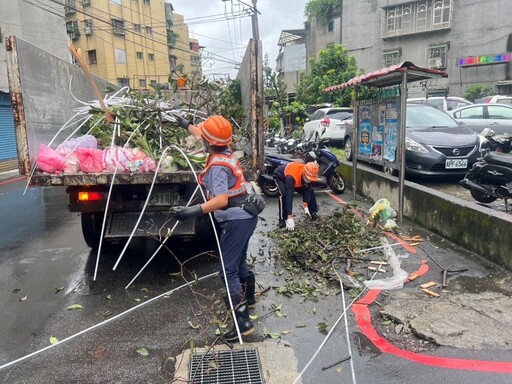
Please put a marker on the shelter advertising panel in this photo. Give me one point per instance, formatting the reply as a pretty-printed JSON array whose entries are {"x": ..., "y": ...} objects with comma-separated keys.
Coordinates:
[{"x": 378, "y": 130}]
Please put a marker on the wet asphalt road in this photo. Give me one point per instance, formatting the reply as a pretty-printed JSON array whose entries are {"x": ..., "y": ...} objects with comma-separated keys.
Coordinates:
[{"x": 45, "y": 267}]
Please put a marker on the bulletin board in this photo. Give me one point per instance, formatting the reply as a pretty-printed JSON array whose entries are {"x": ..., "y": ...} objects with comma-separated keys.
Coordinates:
[{"x": 378, "y": 131}]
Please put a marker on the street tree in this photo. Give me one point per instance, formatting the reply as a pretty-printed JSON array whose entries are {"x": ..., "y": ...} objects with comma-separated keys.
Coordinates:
[{"x": 333, "y": 66}]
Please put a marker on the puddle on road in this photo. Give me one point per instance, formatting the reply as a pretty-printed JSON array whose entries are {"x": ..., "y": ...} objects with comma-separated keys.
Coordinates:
[{"x": 364, "y": 346}]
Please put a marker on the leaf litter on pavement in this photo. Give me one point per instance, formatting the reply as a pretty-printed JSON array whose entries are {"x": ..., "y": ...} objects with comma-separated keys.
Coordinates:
[{"x": 311, "y": 252}]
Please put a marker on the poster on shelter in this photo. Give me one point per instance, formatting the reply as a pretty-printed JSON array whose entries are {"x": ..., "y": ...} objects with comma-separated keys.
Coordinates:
[
  {"x": 377, "y": 142},
  {"x": 365, "y": 130},
  {"x": 391, "y": 131}
]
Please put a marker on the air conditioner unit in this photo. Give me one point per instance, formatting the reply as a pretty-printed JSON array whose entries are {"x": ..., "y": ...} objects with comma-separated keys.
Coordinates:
[{"x": 435, "y": 62}]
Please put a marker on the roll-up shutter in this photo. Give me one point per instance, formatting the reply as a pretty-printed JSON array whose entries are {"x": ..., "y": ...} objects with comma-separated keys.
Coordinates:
[{"x": 8, "y": 154}]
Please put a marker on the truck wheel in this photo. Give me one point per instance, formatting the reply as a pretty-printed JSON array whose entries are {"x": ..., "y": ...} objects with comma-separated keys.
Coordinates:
[
  {"x": 91, "y": 228},
  {"x": 336, "y": 183},
  {"x": 482, "y": 197}
]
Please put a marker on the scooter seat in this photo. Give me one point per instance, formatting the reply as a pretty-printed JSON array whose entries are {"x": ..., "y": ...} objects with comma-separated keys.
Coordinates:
[
  {"x": 499, "y": 158},
  {"x": 287, "y": 158}
]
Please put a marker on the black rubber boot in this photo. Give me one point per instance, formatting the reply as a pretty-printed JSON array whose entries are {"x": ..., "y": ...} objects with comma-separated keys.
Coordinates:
[
  {"x": 282, "y": 224},
  {"x": 243, "y": 320},
  {"x": 249, "y": 287}
]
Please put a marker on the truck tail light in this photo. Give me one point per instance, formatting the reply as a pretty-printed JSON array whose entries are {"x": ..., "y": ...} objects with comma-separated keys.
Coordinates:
[
  {"x": 325, "y": 122},
  {"x": 90, "y": 196}
]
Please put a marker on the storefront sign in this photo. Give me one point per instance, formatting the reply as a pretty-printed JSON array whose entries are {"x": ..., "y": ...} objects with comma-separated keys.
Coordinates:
[{"x": 484, "y": 60}]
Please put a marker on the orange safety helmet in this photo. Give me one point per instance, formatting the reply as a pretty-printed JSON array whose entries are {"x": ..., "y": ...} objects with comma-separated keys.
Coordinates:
[
  {"x": 311, "y": 170},
  {"x": 216, "y": 130}
]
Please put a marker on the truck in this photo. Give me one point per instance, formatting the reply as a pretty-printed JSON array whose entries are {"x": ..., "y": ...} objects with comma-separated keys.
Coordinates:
[{"x": 45, "y": 90}]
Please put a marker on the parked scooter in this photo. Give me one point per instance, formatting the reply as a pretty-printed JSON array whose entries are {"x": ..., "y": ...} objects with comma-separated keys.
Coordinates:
[
  {"x": 490, "y": 178},
  {"x": 496, "y": 143},
  {"x": 327, "y": 162}
]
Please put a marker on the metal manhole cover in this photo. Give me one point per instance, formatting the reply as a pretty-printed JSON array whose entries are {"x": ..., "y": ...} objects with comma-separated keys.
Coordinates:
[{"x": 241, "y": 366}]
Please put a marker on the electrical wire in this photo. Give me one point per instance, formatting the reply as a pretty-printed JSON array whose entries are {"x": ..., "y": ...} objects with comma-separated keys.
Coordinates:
[{"x": 60, "y": 342}]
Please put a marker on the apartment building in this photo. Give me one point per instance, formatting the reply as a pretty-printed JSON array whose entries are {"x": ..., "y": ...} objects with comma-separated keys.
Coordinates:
[
  {"x": 135, "y": 43},
  {"x": 470, "y": 40}
]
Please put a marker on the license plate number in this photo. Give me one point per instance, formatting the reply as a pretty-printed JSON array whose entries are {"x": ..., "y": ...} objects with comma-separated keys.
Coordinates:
[
  {"x": 162, "y": 198},
  {"x": 456, "y": 163}
]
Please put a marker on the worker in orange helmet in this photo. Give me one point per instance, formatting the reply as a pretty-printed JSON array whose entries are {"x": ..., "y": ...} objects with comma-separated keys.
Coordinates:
[
  {"x": 225, "y": 184},
  {"x": 297, "y": 177}
]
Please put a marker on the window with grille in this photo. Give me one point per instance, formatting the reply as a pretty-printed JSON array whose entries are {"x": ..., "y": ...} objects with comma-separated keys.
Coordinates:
[
  {"x": 88, "y": 27},
  {"x": 91, "y": 56},
  {"x": 147, "y": 2},
  {"x": 436, "y": 56},
  {"x": 391, "y": 57},
  {"x": 70, "y": 7},
  {"x": 417, "y": 16},
  {"x": 123, "y": 82},
  {"x": 142, "y": 83},
  {"x": 441, "y": 12},
  {"x": 118, "y": 27},
  {"x": 137, "y": 28},
  {"x": 151, "y": 56},
  {"x": 140, "y": 56},
  {"x": 153, "y": 83},
  {"x": 73, "y": 30},
  {"x": 85, "y": 2},
  {"x": 149, "y": 30}
]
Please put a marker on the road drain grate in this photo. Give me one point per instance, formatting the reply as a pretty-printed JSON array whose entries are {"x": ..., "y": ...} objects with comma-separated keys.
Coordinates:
[{"x": 240, "y": 366}]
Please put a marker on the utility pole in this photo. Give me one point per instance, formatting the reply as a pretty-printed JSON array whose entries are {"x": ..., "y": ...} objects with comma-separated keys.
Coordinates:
[
  {"x": 257, "y": 98},
  {"x": 259, "y": 126}
]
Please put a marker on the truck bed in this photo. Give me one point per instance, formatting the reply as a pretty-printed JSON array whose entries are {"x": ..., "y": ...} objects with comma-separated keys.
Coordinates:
[{"x": 46, "y": 179}]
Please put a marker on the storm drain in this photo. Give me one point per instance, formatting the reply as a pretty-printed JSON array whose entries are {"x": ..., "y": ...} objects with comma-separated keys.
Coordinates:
[{"x": 241, "y": 366}]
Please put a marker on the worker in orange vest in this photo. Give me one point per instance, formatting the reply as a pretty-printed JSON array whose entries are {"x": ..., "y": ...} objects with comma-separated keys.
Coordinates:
[{"x": 296, "y": 177}]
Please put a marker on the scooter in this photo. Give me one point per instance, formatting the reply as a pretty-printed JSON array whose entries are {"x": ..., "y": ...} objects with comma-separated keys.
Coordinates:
[
  {"x": 493, "y": 142},
  {"x": 327, "y": 162},
  {"x": 490, "y": 178}
]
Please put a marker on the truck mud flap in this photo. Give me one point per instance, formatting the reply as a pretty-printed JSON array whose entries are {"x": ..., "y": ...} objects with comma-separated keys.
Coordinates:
[{"x": 158, "y": 224}]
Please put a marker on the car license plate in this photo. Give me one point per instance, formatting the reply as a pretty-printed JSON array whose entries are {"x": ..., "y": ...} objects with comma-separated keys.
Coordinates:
[
  {"x": 456, "y": 163},
  {"x": 161, "y": 198}
]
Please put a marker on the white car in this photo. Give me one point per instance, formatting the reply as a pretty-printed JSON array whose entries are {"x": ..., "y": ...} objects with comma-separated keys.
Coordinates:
[
  {"x": 327, "y": 124},
  {"x": 443, "y": 103},
  {"x": 498, "y": 99}
]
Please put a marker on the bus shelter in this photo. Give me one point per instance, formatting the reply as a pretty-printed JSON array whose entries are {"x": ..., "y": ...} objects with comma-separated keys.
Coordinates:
[{"x": 379, "y": 123}]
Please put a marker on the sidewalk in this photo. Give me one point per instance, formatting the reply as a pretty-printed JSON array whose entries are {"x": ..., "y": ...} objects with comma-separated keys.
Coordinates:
[{"x": 8, "y": 175}]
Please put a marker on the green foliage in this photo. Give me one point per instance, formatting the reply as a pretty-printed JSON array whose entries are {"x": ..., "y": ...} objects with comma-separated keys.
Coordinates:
[
  {"x": 477, "y": 91},
  {"x": 334, "y": 66},
  {"x": 280, "y": 108},
  {"x": 321, "y": 9}
]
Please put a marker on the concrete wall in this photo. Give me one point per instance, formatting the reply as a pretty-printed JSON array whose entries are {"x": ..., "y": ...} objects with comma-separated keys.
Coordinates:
[
  {"x": 318, "y": 37},
  {"x": 469, "y": 34},
  {"x": 291, "y": 64},
  {"x": 484, "y": 231}
]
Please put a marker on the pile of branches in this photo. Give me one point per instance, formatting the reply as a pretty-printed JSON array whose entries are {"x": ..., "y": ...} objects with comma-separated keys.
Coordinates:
[{"x": 312, "y": 252}]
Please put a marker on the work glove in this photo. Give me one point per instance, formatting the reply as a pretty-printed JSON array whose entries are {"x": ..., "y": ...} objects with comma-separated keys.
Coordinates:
[
  {"x": 306, "y": 210},
  {"x": 290, "y": 224},
  {"x": 182, "y": 122},
  {"x": 182, "y": 213}
]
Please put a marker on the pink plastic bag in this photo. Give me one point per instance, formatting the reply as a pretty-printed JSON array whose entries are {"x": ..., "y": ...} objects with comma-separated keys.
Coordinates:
[
  {"x": 49, "y": 160},
  {"x": 90, "y": 160},
  {"x": 117, "y": 157}
]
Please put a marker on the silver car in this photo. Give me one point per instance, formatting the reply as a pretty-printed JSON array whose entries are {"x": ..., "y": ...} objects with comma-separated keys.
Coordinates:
[
  {"x": 498, "y": 117},
  {"x": 327, "y": 124}
]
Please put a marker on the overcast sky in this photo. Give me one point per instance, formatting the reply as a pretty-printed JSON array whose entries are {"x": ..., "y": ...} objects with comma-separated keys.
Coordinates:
[{"x": 227, "y": 39}]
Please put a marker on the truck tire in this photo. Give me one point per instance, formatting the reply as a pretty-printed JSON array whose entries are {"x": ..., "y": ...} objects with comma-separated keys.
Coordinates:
[{"x": 91, "y": 228}]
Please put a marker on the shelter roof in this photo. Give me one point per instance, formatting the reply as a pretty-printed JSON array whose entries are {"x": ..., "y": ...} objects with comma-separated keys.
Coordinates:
[{"x": 390, "y": 76}]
